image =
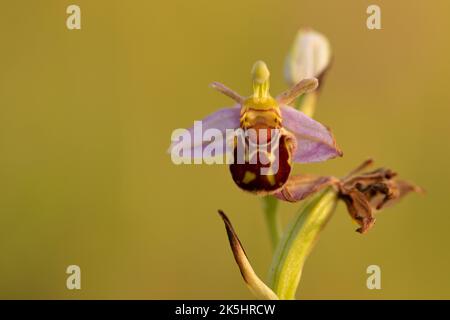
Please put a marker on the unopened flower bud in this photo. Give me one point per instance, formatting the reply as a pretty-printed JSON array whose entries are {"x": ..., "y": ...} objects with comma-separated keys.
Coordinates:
[{"x": 309, "y": 56}]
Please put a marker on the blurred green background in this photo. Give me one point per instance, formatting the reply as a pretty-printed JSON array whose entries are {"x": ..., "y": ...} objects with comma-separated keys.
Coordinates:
[{"x": 86, "y": 118}]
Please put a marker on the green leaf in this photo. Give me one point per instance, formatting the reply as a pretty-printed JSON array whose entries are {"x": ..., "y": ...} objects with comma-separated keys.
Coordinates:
[{"x": 298, "y": 241}]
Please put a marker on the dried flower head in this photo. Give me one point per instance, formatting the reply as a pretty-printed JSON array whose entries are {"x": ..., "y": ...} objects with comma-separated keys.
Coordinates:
[{"x": 364, "y": 193}]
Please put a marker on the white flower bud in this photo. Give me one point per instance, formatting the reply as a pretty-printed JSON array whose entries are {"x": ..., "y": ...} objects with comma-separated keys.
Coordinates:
[{"x": 309, "y": 56}]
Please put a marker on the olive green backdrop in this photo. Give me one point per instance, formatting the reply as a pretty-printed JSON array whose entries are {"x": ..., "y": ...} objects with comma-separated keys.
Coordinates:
[{"x": 86, "y": 118}]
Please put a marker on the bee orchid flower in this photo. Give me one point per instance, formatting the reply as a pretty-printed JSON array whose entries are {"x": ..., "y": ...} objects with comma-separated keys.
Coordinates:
[{"x": 272, "y": 132}]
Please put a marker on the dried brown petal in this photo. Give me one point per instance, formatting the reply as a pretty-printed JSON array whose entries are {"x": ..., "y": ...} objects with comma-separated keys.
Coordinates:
[
  {"x": 369, "y": 178},
  {"x": 359, "y": 208},
  {"x": 399, "y": 189},
  {"x": 367, "y": 163},
  {"x": 299, "y": 187},
  {"x": 254, "y": 283}
]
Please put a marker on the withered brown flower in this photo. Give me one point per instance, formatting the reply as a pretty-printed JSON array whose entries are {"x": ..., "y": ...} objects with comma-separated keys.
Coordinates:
[{"x": 364, "y": 193}]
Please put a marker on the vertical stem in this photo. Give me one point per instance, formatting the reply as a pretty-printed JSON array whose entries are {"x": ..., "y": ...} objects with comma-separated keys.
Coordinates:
[{"x": 270, "y": 206}]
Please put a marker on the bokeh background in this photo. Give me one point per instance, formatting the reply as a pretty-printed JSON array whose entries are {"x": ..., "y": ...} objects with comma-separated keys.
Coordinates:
[{"x": 86, "y": 118}]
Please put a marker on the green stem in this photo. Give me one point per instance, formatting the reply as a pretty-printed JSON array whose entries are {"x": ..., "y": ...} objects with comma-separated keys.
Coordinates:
[
  {"x": 307, "y": 103},
  {"x": 270, "y": 206}
]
